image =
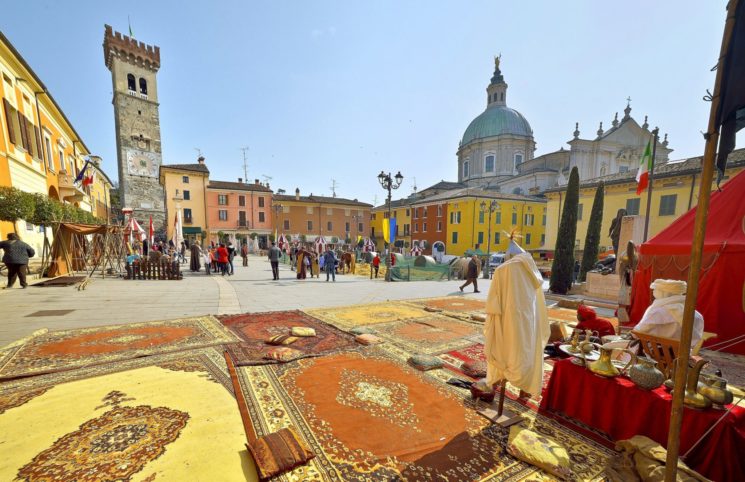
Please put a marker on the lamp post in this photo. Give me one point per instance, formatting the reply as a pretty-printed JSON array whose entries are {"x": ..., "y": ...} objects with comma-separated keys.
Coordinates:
[
  {"x": 490, "y": 208},
  {"x": 389, "y": 183}
]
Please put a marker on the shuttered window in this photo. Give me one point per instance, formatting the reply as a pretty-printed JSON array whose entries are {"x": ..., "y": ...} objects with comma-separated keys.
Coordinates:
[
  {"x": 24, "y": 134},
  {"x": 9, "y": 120}
]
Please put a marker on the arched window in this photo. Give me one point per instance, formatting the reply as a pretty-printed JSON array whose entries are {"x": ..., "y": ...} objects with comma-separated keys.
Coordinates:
[
  {"x": 489, "y": 163},
  {"x": 465, "y": 169},
  {"x": 502, "y": 95},
  {"x": 131, "y": 85},
  {"x": 143, "y": 86},
  {"x": 518, "y": 159}
]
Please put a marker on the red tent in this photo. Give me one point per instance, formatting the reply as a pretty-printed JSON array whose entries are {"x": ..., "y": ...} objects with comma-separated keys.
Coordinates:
[{"x": 721, "y": 291}]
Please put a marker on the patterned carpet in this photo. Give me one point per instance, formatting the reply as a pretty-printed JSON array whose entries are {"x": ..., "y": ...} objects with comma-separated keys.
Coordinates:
[
  {"x": 255, "y": 328},
  {"x": 70, "y": 349},
  {"x": 163, "y": 417},
  {"x": 430, "y": 334},
  {"x": 367, "y": 416},
  {"x": 359, "y": 315},
  {"x": 459, "y": 304}
]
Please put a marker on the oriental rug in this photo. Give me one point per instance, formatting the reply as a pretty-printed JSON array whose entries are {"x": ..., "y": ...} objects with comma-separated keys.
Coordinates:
[
  {"x": 347, "y": 317},
  {"x": 163, "y": 417},
  {"x": 430, "y": 334},
  {"x": 367, "y": 416},
  {"x": 255, "y": 328},
  {"x": 71, "y": 349},
  {"x": 61, "y": 281},
  {"x": 459, "y": 304}
]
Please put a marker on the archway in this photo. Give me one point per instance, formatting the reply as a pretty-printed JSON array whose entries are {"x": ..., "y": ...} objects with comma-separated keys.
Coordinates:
[
  {"x": 53, "y": 193},
  {"x": 438, "y": 250}
]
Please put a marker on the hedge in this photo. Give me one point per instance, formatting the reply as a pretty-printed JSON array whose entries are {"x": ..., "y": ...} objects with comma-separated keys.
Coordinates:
[{"x": 40, "y": 209}]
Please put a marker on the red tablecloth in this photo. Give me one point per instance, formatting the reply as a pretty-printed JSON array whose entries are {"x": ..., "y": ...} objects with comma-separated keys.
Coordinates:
[{"x": 620, "y": 409}]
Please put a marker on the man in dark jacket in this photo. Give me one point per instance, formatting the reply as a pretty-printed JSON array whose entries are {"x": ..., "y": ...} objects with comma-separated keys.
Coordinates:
[
  {"x": 274, "y": 255},
  {"x": 472, "y": 275},
  {"x": 16, "y": 258}
]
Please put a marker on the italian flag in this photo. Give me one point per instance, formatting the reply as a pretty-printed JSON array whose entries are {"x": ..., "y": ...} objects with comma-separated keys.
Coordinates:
[{"x": 645, "y": 165}]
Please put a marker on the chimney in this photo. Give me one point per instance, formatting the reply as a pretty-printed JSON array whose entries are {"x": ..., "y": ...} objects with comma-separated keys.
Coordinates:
[
  {"x": 267, "y": 185},
  {"x": 297, "y": 194},
  {"x": 200, "y": 159},
  {"x": 240, "y": 180},
  {"x": 256, "y": 181}
]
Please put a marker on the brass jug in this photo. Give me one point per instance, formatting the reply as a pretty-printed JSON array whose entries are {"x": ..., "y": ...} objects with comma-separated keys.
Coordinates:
[
  {"x": 574, "y": 347},
  {"x": 692, "y": 398},
  {"x": 603, "y": 366},
  {"x": 715, "y": 389}
]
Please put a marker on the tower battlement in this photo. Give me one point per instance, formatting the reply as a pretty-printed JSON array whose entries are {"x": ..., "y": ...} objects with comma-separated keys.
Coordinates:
[{"x": 130, "y": 50}]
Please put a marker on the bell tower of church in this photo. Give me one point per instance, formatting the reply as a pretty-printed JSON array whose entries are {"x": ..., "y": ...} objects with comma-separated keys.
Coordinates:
[{"x": 133, "y": 66}]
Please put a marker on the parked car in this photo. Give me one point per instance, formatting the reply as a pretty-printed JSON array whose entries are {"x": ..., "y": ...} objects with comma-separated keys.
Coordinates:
[{"x": 495, "y": 259}]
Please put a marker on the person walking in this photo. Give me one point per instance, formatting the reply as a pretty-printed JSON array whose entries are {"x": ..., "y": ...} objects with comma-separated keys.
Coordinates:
[
  {"x": 196, "y": 254},
  {"x": 244, "y": 254},
  {"x": 16, "y": 258},
  {"x": 182, "y": 253},
  {"x": 329, "y": 262},
  {"x": 274, "y": 254},
  {"x": 231, "y": 256},
  {"x": 472, "y": 274},
  {"x": 222, "y": 259},
  {"x": 376, "y": 264}
]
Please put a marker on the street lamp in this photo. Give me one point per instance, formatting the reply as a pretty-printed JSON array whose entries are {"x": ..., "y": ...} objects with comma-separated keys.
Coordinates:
[
  {"x": 389, "y": 183},
  {"x": 490, "y": 208}
]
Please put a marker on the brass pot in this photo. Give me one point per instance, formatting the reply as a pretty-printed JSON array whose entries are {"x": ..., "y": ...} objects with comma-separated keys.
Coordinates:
[
  {"x": 644, "y": 373},
  {"x": 692, "y": 398},
  {"x": 715, "y": 389},
  {"x": 604, "y": 365}
]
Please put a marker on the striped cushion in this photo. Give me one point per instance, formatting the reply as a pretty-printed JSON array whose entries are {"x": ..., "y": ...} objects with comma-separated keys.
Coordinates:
[
  {"x": 278, "y": 453},
  {"x": 303, "y": 331},
  {"x": 281, "y": 340}
]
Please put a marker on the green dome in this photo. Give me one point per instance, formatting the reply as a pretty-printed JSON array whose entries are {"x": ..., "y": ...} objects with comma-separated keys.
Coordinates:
[{"x": 497, "y": 120}]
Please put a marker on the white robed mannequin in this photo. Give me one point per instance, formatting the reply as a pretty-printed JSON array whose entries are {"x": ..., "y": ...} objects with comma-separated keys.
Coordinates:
[
  {"x": 517, "y": 328},
  {"x": 664, "y": 317}
]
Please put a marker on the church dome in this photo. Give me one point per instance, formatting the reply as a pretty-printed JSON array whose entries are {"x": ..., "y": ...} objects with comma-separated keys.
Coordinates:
[{"x": 497, "y": 120}]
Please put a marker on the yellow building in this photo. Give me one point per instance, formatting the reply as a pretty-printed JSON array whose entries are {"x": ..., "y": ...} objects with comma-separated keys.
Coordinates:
[
  {"x": 468, "y": 225},
  {"x": 675, "y": 191},
  {"x": 401, "y": 211},
  {"x": 185, "y": 186},
  {"x": 100, "y": 191},
  {"x": 40, "y": 151}
]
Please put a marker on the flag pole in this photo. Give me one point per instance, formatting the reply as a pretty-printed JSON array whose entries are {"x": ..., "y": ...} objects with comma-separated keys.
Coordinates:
[
  {"x": 655, "y": 136},
  {"x": 699, "y": 233}
]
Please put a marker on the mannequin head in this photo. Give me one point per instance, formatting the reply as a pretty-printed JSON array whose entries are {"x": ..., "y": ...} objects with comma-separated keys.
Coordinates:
[{"x": 663, "y": 288}]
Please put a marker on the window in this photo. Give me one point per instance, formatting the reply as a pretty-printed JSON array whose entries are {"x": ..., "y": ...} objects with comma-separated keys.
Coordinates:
[
  {"x": 481, "y": 217},
  {"x": 580, "y": 209},
  {"x": 623, "y": 168},
  {"x": 518, "y": 159},
  {"x": 529, "y": 219},
  {"x": 187, "y": 215},
  {"x": 187, "y": 196},
  {"x": 439, "y": 226},
  {"x": 416, "y": 213},
  {"x": 222, "y": 199},
  {"x": 406, "y": 229},
  {"x": 527, "y": 238},
  {"x": 543, "y": 221},
  {"x": 346, "y": 227},
  {"x": 261, "y": 217},
  {"x": 424, "y": 227},
  {"x": 242, "y": 218},
  {"x": 407, "y": 213},
  {"x": 185, "y": 179},
  {"x": 261, "y": 201},
  {"x": 439, "y": 210},
  {"x": 514, "y": 219},
  {"x": 360, "y": 228},
  {"x": 347, "y": 212},
  {"x": 480, "y": 237},
  {"x": 309, "y": 210},
  {"x": 287, "y": 225},
  {"x": 498, "y": 218},
  {"x": 329, "y": 227},
  {"x": 455, "y": 238},
  {"x": 61, "y": 156},
  {"x": 632, "y": 206},
  {"x": 667, "y": 204},
  {"x": 48, "y": 147},
  {"x": 496, "y": 238},
  {"x": 416, "y": 227},
  {"x": 242, "y": 201},
  {"x": 223, "y": 213},
  {"x": 143, "y": 86},
  {"x": 489, "y": 163},
  {"x": 310, "y": 225},
  {"x": 543, "y": 239},
  {"x": 457, "y": 217},
  {"x": 465, "y": 169},
  {"x": 131, "y": 85}
]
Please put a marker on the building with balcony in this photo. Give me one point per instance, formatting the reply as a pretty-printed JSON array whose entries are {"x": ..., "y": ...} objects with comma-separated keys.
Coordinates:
[
  {"x": 40, "y": 150},
  {"x": 239, "y": 208},
  {"x": 312, "y": 216},
  {"x": 185, "y": 187}
]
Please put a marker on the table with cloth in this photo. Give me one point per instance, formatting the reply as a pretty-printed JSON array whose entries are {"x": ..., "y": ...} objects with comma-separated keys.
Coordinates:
[{"x": 620, "y": 409}]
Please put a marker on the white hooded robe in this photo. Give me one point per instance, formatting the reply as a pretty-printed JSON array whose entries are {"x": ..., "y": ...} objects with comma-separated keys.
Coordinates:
[{"x": 517, "y": 328}]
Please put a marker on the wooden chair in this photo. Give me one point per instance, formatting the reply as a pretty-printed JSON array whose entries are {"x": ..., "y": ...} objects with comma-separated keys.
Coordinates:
[{"x": 662, "y": 350}]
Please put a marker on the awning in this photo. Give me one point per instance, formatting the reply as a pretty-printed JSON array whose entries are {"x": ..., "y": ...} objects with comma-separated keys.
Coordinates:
[{"x": 192, "y": 230}]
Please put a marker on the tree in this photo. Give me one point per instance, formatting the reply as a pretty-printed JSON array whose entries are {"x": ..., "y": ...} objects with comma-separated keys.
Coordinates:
[
  {"x": 46, "y": 210},
  {"x": 15, "y": 204},
  {"x": 563, "y": 265},
  {"x": 592, "y": 239},
  {"x": 271, "y": 238}
]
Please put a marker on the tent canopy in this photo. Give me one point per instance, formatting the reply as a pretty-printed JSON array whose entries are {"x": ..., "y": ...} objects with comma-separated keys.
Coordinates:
[{"x": 721, "y": 291}]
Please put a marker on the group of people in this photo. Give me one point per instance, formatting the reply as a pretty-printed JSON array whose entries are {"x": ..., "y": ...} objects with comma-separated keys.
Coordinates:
[
  {"x": 145, "y": 249},
  {"x": 217, "y": 258},
  {"x": 306, "y": 263}
]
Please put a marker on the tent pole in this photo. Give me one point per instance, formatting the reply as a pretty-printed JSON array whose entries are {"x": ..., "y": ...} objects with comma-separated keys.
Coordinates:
[{"x": 699, "y": 233}]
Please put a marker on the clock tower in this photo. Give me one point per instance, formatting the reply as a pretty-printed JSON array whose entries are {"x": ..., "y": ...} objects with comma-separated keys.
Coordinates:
[{"x": 133, "y": 66}]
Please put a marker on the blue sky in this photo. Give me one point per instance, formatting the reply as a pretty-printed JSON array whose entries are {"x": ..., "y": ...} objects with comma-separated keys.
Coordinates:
[{"x": 337, "y": 89}]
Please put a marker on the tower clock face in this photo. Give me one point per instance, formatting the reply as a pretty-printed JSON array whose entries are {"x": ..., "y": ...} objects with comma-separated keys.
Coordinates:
[{"x": 142, "y": 163}]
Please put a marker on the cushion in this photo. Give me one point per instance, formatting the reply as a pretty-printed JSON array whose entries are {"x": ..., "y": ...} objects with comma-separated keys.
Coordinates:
[
  {"x": 278, "y": 453},
  {"x": 433, "y": 310},
  {"x": 302, "y": 331},
  {"x": 474, "y": 369},
  {"x": 282, "y": 340},
  {"x": 283, "y": 354},
  {"x": 361, "y": 330},
  {"x": 539, "y": 450},
  {"x": 425, "y": 362},
  {"x": 368, "y": 339}
]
